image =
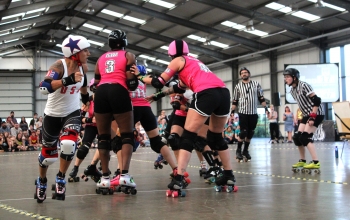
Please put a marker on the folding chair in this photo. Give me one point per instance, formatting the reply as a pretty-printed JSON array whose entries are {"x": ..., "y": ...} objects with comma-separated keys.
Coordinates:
[{"x": 342, "y": 113}]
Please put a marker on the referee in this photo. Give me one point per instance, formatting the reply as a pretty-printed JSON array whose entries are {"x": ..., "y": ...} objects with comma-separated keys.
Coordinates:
[
  {"x": 246, "y": 95},
  {"x": 312, "y": 110}
]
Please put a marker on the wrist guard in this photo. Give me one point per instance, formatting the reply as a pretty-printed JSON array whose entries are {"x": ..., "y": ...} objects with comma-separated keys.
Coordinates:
[
  {"x": 312, "y": 116},
  {"x": 85, "y": 98},
  {"x": 69, "y": 80},
  {"x": 88, "y": 120},
  {"x": 176, "y": 105}
]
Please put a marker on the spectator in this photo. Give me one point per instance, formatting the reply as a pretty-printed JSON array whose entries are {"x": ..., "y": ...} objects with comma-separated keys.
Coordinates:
[
  {"x": 272, "y": 117},
  {"x": 33, "y": 142},
  {"x": 39, "y": 124},
  {"x": 288, "y": 119},
  {"x": 229, "y": 135},
  {"x": 297, "y": 119},
  {"x": 12, "y": 143},
  {"x": 3, "y": 143},
  {"x": 162, "y": 126},
  {"x": 9, "y": 122},
  {"x": 34, "y": 120},
  {"x": 230, "y": 121},
  {"x": 12, "y": 115},
  {"x": 161, "y": 116},
  {"x": 31, "y": 130},
  {"x": 23, "y": 124},
  {"x": 38, "y": 134},
  {"x": 20, "y": 142},
  {"x": 4, "y": 128},
  {"x": 15, "y": 130}
]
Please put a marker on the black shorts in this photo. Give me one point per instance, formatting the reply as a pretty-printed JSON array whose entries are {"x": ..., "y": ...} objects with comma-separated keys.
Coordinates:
[
  {"x": 112, "y": 98},
  {"x": 179, "y": 120},
  {"x": 317, "y": 122},
  {"x": 145, "y": 116},
  {"x": 89, "y": 134},
  {"x": 247, "y": 122},
  {"x": 212, "y": 101}
]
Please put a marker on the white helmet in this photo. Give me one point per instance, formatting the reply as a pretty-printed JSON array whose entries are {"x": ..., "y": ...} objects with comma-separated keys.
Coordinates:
[{"x": 74, "y": 44}]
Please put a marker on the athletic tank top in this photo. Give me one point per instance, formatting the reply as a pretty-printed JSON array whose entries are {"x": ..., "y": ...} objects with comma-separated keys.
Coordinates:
[
  {"x": 112, "y": 67},
  {"x": 138, "y": 96},
  {"x": 66, "y": 99},
  {"x": 198, "y": 77},
  {"x": 33, "y": 140}
]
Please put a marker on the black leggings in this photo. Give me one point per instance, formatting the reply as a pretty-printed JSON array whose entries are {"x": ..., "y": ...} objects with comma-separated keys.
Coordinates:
[{"x": 274, "y": 131}]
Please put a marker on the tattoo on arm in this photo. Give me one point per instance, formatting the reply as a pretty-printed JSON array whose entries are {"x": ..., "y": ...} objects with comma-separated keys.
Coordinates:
[
  {"x": 169, "y": 91},
  {"x": 58, "y": 67}
]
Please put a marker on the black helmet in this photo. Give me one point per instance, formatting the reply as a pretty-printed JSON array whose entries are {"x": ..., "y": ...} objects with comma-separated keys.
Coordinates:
[
  {"x": 117, "y": 39},
  {"x": 292, "y": 72}
]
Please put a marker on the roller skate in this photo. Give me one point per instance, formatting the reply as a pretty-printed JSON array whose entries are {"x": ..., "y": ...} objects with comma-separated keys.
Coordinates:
[
  {"x": 175, "y": 187},
  {"x": 246, "y": 156},
  {"x": 312, "y": 166},
  {"x": 225, "y": 183},
  {"x": 104, "y": 186},
  {"x": 203, "y": 169},
  {"x": 59, "y": 188},
  {"x": 158, "y": 162},
  {"x": 299, "y": 166},
  {"x": 127, "y": 184},
  {"x": 115, "y": 184},
  {"x": 92, "y": 172},
  {"x": 73, "y": 175},
  {"x": 40, "y": 194},
  {"x": 212, "y": 174},
  {"x": 239, "y": 156},
  {"x": 186, "y": 179}
]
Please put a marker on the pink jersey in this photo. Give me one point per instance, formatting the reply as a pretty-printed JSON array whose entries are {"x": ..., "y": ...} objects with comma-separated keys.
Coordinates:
[
  {"x": 112, "y": 67},
  {"x": 197, "y": 76},
  {"x": 91, "y": 112},
  {"x": 138, "y": 96},
  {"x": 183, "y": 101}
]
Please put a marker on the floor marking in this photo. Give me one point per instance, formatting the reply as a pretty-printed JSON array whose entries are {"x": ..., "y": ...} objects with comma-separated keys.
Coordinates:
[
  {"x": 269, "y": 175},
  {"x": 25, "y": 213}
]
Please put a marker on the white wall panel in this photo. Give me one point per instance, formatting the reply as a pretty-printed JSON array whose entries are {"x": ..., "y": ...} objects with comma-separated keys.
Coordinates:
[{"x": 16, "y": 63}]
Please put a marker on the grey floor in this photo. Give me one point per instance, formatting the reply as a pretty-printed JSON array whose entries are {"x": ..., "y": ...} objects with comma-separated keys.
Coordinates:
[{"x": 268, "y": 189}]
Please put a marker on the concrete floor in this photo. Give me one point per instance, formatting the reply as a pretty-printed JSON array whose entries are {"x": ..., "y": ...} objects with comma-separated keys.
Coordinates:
[{"x": 268, "y": 189}]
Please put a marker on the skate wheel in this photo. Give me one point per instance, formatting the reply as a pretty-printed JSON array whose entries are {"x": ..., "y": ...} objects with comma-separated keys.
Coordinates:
[
  {"x": 111, "y": 191},
  {"x": 188, "y": 181},
  {"x": 98, "y": 191},
  {"x": 77, "y": 179},
  {"x": 298, "y": 170},
  {"x": 167, "y": 193},
  {"x": 53, "y": 187},
  {"x": 235, "y": 188},
  {"x": 307, "y": 171},
  {"x": 294, "y": 170},
  {"x": 183, "y": 193},
  {"x": 174, "y": 194},
  {"x": 133, "y": 191},
  {"x": 63, "y": 197},
  {"x": 104, "y": 192},
  {"x": 303, "y": 170},
  {"x": 53, "y": 196},
  {"x": 119, "y": 189},
  {"x": 160, "y": 166},
  {"x": 229, "y": 189},
  {"x": 126, "y": 191},
  {"x": 186, "y": 174},
  {"x": 317, "y": 171},
  {"x": 39, "y": 201},
  {"x": 217, "y": 188}
]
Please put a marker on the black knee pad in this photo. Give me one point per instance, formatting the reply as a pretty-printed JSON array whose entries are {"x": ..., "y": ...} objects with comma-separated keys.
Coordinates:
[
  {"x": 216, "y": 141},
  {"x": 209, "y": 157},
  {"x": 128, "y": 138},
  {"x": 104, "y": 142},
  {"x": 250, "y": 134},
  {"x": 243, "y": 134},
  {"x": 156, "y": 143},
  {"x": 116, "y": 144},
  {"x": 83, "y": 150},
  {"x": 174, "y": 141},
  {"x": 187, "y": 140},
  {"x": 296, "y": 139},
  {"x": 306, "y": 138},
  {"x": 200, "y": 144}
]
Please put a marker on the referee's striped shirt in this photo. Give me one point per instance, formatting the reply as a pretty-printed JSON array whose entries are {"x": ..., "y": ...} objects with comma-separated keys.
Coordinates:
[
  {"x": 247, "y": 95},
  {"x": 301, "y": 94}
]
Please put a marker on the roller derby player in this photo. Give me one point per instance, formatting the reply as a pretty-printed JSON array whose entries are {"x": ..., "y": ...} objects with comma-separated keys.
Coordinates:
[
  {"x": 62, "y": 83},
  {"x": 246, "y": 96},
  {"x": 211, "y": 98},
  {"x": 313, "y": 114}
]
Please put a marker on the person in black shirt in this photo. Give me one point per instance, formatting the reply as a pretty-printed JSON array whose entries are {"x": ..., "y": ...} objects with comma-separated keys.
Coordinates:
[{"x": 313, "y": 114}]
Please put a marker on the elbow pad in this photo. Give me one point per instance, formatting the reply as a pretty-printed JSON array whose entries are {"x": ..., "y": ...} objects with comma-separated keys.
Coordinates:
[
  {"x": 45, "y": 87},
  {"x": 178, "y": 89},
  {"x": 316, "y": 100},
  {"x": 158, "y": 82},
  {"x": 85, "y": 98},
  {"x": 132, "y": 84}
]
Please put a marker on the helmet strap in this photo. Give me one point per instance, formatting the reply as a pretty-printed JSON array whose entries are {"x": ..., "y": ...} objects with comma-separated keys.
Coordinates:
[{"x": 76, "y": 58}]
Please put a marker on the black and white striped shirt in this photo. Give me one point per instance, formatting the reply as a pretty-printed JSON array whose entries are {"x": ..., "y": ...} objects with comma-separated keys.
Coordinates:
[
  {"x": 247, "y": 95},
  {"x": 301, "y": 94}
]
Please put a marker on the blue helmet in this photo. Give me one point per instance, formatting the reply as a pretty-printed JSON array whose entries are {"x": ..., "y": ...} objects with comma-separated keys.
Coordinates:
[{"x": 142, "y": 70}]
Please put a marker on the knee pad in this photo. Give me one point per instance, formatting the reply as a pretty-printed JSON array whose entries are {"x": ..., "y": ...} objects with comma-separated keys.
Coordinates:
[
  {"x": 116, "y": 144},
  {"x": 216, "y": 141},
  {"x": 296, "y": 139},
  {"x": 128, "y": 138},
  {"x": 68, "y": 144},
  {"x": 209, "y": 157},
  {"x": 104, "y": 142},
  {"x": 174, "y": 141},
  {"x": 83, "y": 150},
  {"x": 156, "y": 143},
  {"x": 200, "y": 144},
  {"x": 243, "y": 134},
  {"x": 187, "y": 140},
  {"x": 306, "y": 138},
  {"x": 47, "y": 156},
  {"x": 250, "y": 134}
]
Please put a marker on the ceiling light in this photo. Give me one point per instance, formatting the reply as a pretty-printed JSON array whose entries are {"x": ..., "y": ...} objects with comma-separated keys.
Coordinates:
[
  {"x": 89, "y": 8},
  {"x": 319, "y": 4},
  {"x": 206, "y": 42},
  {"x": 250, "y": 26},
  {"x": 69, "y": 26},
  {"x": 52, "y": 39}
]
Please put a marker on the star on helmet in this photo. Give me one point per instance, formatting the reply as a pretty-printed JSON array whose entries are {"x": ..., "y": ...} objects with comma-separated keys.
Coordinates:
[{"x": 73, "y": 44}]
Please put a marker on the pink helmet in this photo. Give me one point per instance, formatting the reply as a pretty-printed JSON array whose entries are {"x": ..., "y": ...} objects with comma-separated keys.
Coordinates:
[{"x": 178, "y": 48}]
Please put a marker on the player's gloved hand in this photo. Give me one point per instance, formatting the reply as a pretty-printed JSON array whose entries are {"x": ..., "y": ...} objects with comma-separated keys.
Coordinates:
[
  {"x": 157, "y": 96},
  {"x": 176, "y": 105}
]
